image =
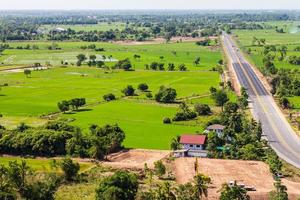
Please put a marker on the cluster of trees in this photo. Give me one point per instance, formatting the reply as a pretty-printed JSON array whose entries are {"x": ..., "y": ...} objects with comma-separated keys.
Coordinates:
[
  {"x": 73, "y": 103},
  {"x": 18, "y": 180},
  {"x": 166, "y": 95},
  {"x": 138, "y": 26},
  {"x": 59, "y": 138},
  {"x": 285, "y": 83},
  {"x": 123, "y": 64},
  {"x": 241, "y": 139},
  {"x": 171, "y": 66},
  {"x": 206, "y": 42}
]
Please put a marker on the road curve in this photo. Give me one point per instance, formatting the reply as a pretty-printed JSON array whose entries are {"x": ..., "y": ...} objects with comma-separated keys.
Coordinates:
[{"x": 279, "y": 133}]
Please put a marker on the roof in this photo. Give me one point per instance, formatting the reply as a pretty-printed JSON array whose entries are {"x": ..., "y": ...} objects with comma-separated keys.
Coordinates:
[
  {"x": 193, "y": 139},
  {"x": 215, "y": 127}
]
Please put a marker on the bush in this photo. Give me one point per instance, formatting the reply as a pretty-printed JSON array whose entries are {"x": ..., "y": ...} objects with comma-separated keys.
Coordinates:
[
  {"x": 167, "y": 120},
  {"x": 149, "y": 95},
  {"x": 159, "y": 168},
  {"x": 143, "y": 87},
  {"x": 123, "y": 64},
  {"x": 109, "y": 97},
  {"x": 70, "y": 169},
  {"x": 128, "y": 91},
  {"x": 202, "y": 109},
  {"x": 183, "y": 116},
  {"x": 166, "y": 95},
  {"x": 121, "y": 185}
]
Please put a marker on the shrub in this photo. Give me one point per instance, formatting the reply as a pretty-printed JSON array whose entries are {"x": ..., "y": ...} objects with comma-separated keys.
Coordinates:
[
  {"x": 149, "y": 95},
  {"x": 167, "y": 120},
  {"x": 202, "y": 109},
  {"x": 128, "y": 91},
  {"x": 70, "y": 169},
  {"x": 143, "y": 87},
  {"x": 109, "y": 97},
  {"x": 159, "y": 168}
]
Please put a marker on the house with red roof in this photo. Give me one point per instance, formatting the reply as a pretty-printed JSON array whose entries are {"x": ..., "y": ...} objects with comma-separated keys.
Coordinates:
[
  {"x": 192, "y": 145},
  {"x": 195, "y": 142}
]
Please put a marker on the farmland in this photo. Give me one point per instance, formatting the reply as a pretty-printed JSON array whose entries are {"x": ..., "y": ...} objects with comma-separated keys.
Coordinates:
[
  {"x": 176, "y": 53},
  {"x": 290, "y": 38},
  {"x": 27, "y": 99}
]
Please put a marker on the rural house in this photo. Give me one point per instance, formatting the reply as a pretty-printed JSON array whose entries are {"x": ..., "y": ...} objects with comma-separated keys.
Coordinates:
[
  {"x": 218, "y": 128},
  {"x": 192, "y": 145}
]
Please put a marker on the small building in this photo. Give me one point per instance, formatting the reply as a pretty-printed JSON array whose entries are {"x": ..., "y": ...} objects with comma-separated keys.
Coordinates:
[
  {"x": 194, "y": 142},
  {"x": 217, "y": 128},
  {"x": 192, "y": 145}
]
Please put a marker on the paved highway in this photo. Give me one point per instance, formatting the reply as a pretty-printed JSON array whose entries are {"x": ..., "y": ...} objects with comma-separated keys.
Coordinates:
[{"x": 278, "y": 131}]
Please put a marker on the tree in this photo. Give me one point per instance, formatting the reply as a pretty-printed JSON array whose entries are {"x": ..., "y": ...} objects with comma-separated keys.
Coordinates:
[
  {"x": 285, "y": 103},
  {"x": 274, "y": 162},
  {"x": 135, "y": 56},
  {"x": 171, "y": 66},
  {"x": 175, "y": 143},
  {"x": 128, "y": 91},
  {"x": 27, "y": 72},
  {"x": 143, "y": 87},
  {"x": 233, "y": 192},
  {"x": 17, "y": 174},
  {"x": 220, "y": 98},
  {"x": 182, "y": 67},
  {"x": 81, "y": 57},
  {"x": 109, "y": 97},
  {"x": 121, "y": 185},
  {"x": 124, "y": 64},
  {"x": 202, "y": 109},
  {"x": 22, "y": 127},
  {"x": 166, "y": 95},
  {"x": 201, "y": 183},
  {"x": 159, "y": 168},
  {"x": 77, "y": 102},
  {"x": 186, "y": 192},
  {"x": 70, "y": 169},
  {"x": 167, "y": 120},
  {"x": 280, "y": 192},
  {"x": 197, "y": 61},
  {"x": 184, "y": 113},
  {"x": 63, "y": 106},
  {"x": 93, "y": 58},
  {"x": 106, "y": 139}
]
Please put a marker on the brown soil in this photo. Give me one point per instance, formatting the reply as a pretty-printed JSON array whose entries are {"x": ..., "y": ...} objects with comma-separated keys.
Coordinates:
[
  {"x": 161, "y": 40},
  {"x": 250, "y": 173},
  {"x": 135, "y": 159}
]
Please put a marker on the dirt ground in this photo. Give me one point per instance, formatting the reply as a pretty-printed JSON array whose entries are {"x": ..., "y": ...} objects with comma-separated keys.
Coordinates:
[
  {"x": 250, "y": 173},
  {"x": 161, "y": 40},
  {"x": 135, "y": 159}
]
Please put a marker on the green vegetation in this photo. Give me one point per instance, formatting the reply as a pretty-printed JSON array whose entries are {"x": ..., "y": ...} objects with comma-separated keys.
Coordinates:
[{"x": 275, "y": 51}]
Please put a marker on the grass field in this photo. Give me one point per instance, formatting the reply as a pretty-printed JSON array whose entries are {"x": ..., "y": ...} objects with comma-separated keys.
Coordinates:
[
  {"x": 291, "y": 38},
  {"x": 185, "y": 53},
  {"x": 99, "y": 27},
  {"x": 40, "y": 165},
  {"x": 26, "y": 99}
]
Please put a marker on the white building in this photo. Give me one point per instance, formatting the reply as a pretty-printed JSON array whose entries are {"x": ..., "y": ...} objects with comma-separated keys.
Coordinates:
[{"x": 217, "y": 128}]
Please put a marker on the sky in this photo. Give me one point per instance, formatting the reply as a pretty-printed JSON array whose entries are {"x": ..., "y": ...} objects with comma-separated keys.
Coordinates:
[{"x": 147, "y": 4}]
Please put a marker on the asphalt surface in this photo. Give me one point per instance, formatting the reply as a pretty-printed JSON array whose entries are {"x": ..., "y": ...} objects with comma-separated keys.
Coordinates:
[{"x": 282, "y": 138}]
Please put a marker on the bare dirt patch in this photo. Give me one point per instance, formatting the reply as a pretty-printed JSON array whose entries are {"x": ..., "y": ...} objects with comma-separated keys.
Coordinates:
[
  {"x": 250, "y": 173},
  {"x": 135, "y": 159},
  {"x": 161, "y": 40}
]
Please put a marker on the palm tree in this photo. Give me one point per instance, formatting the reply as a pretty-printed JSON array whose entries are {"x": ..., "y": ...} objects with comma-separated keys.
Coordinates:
[{"x": 201, "y": 183}]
